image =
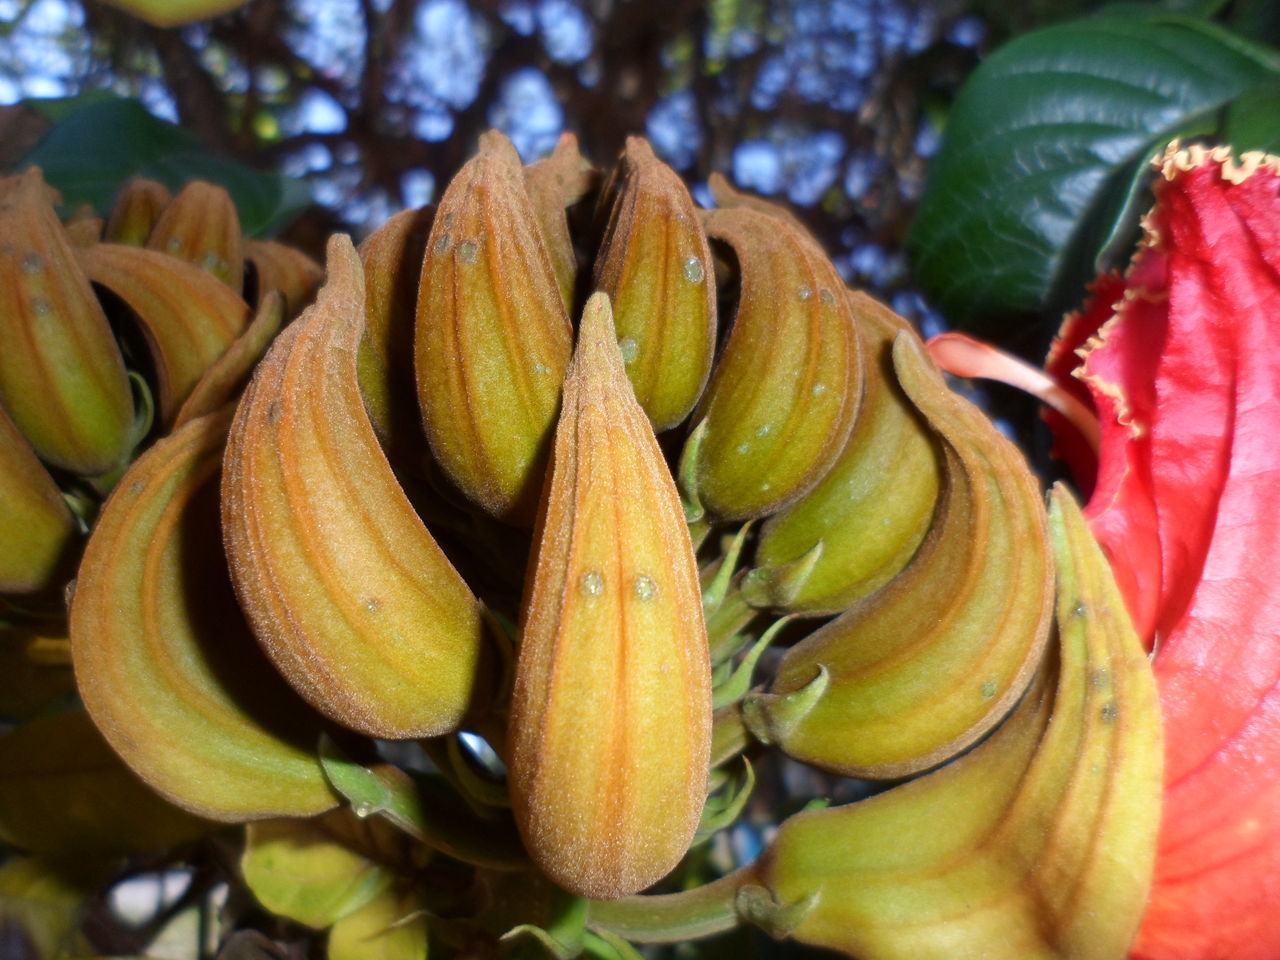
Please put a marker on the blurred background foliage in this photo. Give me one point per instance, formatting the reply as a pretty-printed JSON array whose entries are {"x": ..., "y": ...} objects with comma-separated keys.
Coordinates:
[
  {"x": 323, "y": 115},
  {"x": 834, "y": 107}
]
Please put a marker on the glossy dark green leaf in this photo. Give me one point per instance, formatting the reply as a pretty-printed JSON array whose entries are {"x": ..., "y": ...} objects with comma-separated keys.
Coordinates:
[
  {"x": 97, "y": 143},
  {"x": 1043, "y": 145}
]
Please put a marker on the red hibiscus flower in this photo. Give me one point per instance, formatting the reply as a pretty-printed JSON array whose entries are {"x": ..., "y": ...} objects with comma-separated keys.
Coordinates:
[{"x": 1180, "y": 359}]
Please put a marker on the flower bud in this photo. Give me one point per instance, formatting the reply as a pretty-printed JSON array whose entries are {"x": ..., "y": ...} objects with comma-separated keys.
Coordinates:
[
  {"x": 164, "y": 660},
  {"x": 610, "y": 730},
  {"x": 863, "y": 523},
  {"x": 929, "y": 663},
  {"x": 1039, "y": 843},
  {"x": 344, "y": 586},
  {"x": 493, "y": 337},
  {"x": 655, "y": 265},
  {"x": 188, "y": 318},
  {"x": 136, "y": 211},
  {"x": 786, "y": 388},
  {"x": 202, "y": 227},
  {"x": 62, "y": 378},
  {"x": 35, "y": 524}
]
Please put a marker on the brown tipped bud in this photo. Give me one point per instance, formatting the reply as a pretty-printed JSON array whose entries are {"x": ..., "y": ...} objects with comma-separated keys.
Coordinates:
[
  {"x": 202, "y": 227},
  {"x": 35, "y": 524},
  {"x": 1039, "y": 843},
  {"x": 164, "y": 660},
  {"x": 656, "y": 267},
  {"x": 872, "y": 510},
  {"x": 61, "y": 375},
  {"x": 786, "y": 388},
  {"x": 187, "y": 316},
  {"x": 345, "y": 588},
  {"x": 136, "y": 211},
  {"x": 392, "y": 257},
  {"x": 555, "y": 183},
  {"x": 493, "y": 338},
  {"x": 278, "y": 266},
  {"x": 925, "y": 666},
  {"x": 611, "y": 715}
]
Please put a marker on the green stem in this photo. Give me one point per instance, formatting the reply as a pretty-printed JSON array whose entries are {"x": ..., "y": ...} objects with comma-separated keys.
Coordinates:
[
  {"x": 674, "y": 917},
  {"x": 729, "y": 736},
  {"x": 724, "y": 623}
]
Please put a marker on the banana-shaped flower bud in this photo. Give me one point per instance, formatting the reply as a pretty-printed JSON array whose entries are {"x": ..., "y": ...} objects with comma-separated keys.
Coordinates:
[
  {"x": 610, "y": 730},
  {"x": 923, "y": 667},
  {"x": 35, "y": 523},
  {"x": 201, "y": 226},
  {"x": 655, "y": 265},
  {"x": 863, "y": 523},
  {"x": 493, "y": 336},
  {"x": 346, "y": 589},
  {"x": 188, "y": 317},
  {"x": 164, "y": 659},
  {"x": 62, "y": 378},
  {"x": 1038, "y": 844},
  {"x": 136, "y": 211},
  {"x": 786, "y": 389}
]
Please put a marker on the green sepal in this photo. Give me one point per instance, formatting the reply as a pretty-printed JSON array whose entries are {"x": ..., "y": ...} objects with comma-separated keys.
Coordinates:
[
  {"x": 756, "y": 905},
  {"x": 771, "y": 716},
  {"x": 779, "y": 586}
]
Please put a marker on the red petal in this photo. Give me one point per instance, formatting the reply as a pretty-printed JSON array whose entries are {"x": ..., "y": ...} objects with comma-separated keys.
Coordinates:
[
  {"x": 1187, "y": 381},
  {"x": 1064, "y": 365}
]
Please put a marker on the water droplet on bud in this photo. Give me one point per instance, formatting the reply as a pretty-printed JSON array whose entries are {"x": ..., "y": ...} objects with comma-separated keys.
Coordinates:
[
  {"x": 592, "y": 583},
  {"x": 693, "y": 270},
  {"x": 646, "y": 589},
  {"x": 630, "y": 349},
  {"x": 467, "y": 251}
]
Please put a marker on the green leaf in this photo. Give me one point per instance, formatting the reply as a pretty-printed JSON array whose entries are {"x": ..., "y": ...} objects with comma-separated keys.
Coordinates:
[
  {"x": 98, "y": 141},
  {"x": 1252, "y": 122},
  {"x": 1037, "y": 171},
  {"x": 317, "y": 871}
]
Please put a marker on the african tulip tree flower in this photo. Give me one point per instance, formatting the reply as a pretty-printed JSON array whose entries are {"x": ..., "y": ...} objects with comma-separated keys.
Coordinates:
[{"x": 1180, "y": 362}]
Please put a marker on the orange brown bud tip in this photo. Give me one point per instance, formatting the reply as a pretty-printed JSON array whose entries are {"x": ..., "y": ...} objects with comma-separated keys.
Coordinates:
[
  {"x": 1039, "y": 843},
  {"x": 201, "y": 226},
  {"x": 163, "y": 658},
  {"x": 493, "y": 337},
  {"x": 278, "y": 266},
  {"x": 62, "y": 378},
  {"x": 344, "y": 586},
  {"x": 188, "y": 318},
  {"x": 610, "y": 727},
  {"x": 656, "y": 266},
  {"x": 35, "y": 524},
  {"x": 136, "y": 211},
  {"x": 786, "y": 388}
]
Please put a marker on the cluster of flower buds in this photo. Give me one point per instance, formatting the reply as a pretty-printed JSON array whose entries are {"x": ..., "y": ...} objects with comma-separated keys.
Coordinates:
[{"x": 564, "y": 504}]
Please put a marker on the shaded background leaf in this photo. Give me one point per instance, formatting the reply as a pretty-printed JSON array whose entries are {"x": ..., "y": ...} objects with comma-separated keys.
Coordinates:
[
  {"x": 98, "y": 141},
  {"x": 1045, "y": 144}
]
